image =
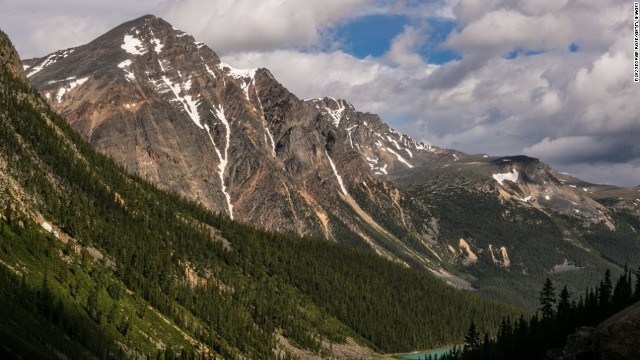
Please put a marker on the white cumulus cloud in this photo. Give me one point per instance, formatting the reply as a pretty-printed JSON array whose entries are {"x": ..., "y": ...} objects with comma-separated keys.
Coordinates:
[{"x": 248, "y": 25}]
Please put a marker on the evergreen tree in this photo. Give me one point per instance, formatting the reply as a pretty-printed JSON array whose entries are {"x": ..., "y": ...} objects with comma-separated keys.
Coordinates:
[
  {"x": 547, "y": 300},
  {"x": 604, "y": 297},
  {"x": 472, "y": 339},
  {"x": 564, "y": 304},
  {"x": 622, "y": 292},
  {"x": 636, "y": 294}
]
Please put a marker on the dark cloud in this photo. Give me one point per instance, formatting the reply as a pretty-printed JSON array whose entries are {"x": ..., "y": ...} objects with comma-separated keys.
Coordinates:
[{"x": 587, "y": 149}]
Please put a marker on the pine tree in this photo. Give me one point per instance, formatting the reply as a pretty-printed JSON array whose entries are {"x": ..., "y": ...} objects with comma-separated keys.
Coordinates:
[
  {"x": 604, "y": 298},
  {"x": 472, "y": 339},
  {"x": 547, "y": 300},
  {"x": 636, "y": 294},
  {"x": 564, "y": 304},
  {"x": 622, "y": 292}
]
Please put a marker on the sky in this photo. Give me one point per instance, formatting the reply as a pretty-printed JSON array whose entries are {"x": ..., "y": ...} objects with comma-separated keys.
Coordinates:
[{"x": 552, "y": 79}]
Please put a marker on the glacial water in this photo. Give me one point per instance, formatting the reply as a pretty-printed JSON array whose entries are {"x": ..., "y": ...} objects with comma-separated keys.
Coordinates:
[{"x": 423, "y": 355}]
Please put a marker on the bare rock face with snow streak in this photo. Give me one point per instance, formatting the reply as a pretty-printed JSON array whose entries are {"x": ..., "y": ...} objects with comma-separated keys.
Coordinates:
[{"x": 164, "y": 105}]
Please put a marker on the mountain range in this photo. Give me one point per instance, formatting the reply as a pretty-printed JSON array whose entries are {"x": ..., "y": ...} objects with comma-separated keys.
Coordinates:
[
  {"x": 166, "y": 108},
  {"x": 98, "y": 263}
]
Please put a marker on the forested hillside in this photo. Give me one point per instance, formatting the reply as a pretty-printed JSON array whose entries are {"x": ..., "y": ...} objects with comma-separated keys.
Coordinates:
[{"x": 96, "y": 263}]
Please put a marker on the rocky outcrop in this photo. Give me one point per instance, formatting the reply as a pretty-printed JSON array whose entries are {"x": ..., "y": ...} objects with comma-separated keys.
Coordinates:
[
  {"x": 9, "y": 56},
  {"x": 617, "y": 338}
]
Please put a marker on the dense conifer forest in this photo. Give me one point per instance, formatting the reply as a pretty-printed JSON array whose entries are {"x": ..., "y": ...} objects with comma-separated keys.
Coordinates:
[{"x": 134, "y": 271}]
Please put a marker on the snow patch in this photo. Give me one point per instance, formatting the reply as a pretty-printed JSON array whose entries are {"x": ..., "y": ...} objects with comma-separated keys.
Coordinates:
[
  {"x": 395, "y": 143},
  {"x": 246, "y": 75},
  {"x": 187, "y": 102},
  {"x": 349, "y": 135},
  {"x": 273, "y": 144},
  {"x": 71, "y": 86},
  {"x": 335, "y": 172},
  {"x": 510, "y": 176},
  {"x": 238, "y": 73},
  {"x": 336, "y": 115},
  {"x": 127, "y": 74},
  {"x": 124, "y": 64},
  {"x": 132, "y": 45},
  {"x": 224, "y": 158},
  {"x": 547, "y": 197},
  {"x": 409, "y": 152},
  {"x": 400, "y": 158},
  {"x": 50, "y": 60},
  {"x": 157, "y": 45}
]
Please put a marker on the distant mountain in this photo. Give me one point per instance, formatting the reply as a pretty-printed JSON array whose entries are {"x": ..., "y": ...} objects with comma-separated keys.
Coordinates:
[
  {"x": 166, "y": 107},
  {"x": 96, "y": 263}
]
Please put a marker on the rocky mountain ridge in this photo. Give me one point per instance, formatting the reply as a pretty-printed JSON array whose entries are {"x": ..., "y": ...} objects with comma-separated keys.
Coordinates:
[{"x": 166, "y": 107}]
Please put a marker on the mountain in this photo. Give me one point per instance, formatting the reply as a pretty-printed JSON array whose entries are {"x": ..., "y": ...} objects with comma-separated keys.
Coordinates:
[
  {"x": 166, "y": 108},
  {"x": 98, "y": 263}
]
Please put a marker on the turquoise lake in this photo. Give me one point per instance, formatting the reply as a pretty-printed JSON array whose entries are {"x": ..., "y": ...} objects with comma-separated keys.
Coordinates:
[{"x": 422, "y": 355}]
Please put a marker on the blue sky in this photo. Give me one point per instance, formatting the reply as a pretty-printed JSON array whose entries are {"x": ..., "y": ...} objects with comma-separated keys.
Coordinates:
[
  {"x": 373, "y": 35},
  {"x": 546, "y": 78},
  {"x": 370, "y": 35}
]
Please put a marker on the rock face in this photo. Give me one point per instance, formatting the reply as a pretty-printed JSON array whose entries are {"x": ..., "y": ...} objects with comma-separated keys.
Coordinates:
[
  {"x": 580, "y": 345},
  {"x": 165, "y": 107},
  {"x": 618, "y": 338}
]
